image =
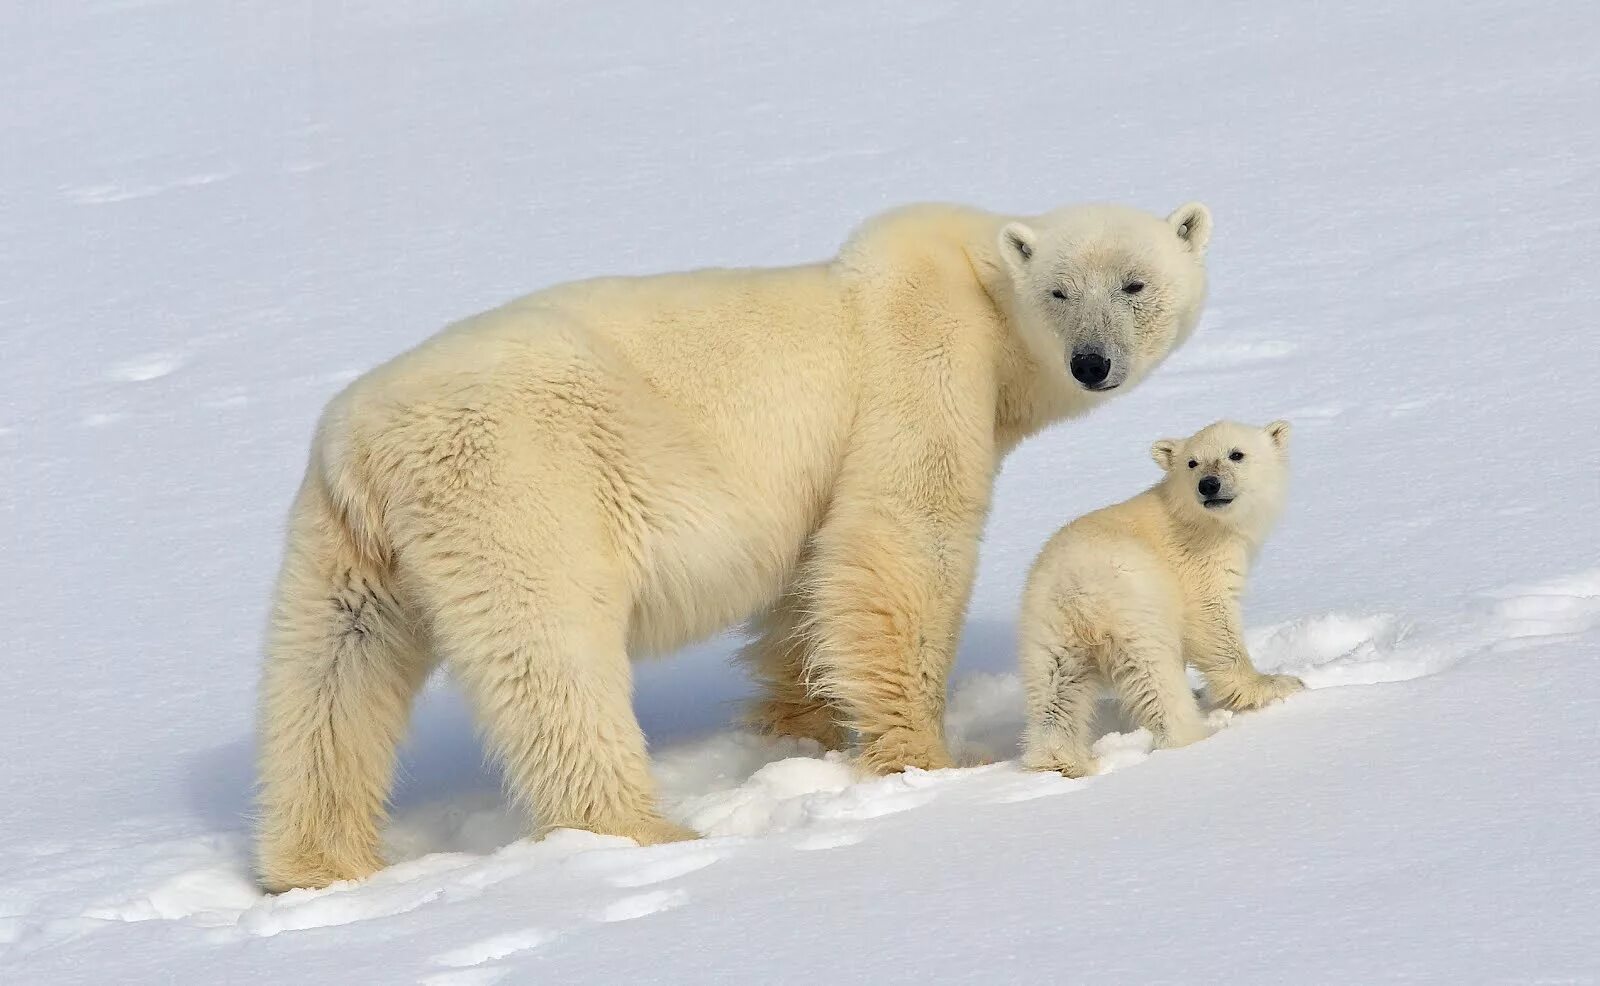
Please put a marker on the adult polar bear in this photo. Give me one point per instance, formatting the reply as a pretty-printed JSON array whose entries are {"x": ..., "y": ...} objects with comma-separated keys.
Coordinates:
[{"x": 621, "y": 466}]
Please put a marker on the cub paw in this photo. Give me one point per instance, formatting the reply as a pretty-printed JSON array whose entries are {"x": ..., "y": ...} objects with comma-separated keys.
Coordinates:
[
  {"x": 1183, "y": 735},
  {"x": 1067, "y": 766},
  {"x": 1264, "y": 690}
]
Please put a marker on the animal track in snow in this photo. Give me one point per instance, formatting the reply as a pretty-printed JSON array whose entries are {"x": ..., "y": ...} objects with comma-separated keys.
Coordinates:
[
  {"x": 642, "y": 905},
  {"x": 1559, "y": 608}
]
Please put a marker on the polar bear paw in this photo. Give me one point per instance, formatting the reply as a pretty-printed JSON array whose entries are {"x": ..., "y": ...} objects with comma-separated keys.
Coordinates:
[
  {"x": 901, "y": 748},
  {"x": 1260, "y": 691},
  {"x": 811, "y": 721},
  {"x": 1067, "y": 765},
  {"x": 655, "y": 832}
]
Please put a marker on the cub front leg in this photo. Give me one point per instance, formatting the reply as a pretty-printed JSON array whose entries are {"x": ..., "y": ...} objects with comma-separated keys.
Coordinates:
[
  {"x": 889, "y": 583},
  {"x": 1215, "y": 646}
]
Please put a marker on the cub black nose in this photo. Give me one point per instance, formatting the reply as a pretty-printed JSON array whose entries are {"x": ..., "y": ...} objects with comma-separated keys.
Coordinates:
[
  {"x": 1210, "y": 485},
  {"x": 1089, "y": 366}
]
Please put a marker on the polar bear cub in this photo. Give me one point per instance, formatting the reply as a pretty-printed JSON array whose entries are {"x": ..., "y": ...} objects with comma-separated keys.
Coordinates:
[{"x": 1131, "y": 593}]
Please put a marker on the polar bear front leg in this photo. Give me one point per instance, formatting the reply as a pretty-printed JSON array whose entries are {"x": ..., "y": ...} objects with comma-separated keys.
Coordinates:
[
  {"x": 780, "y": 659},
  {"x": 1215, "y": 645},
  {"x": 890, "y": 585}
]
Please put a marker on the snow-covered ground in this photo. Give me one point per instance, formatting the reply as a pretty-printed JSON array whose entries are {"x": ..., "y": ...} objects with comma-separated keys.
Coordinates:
[{"x": 212, "y": 215}]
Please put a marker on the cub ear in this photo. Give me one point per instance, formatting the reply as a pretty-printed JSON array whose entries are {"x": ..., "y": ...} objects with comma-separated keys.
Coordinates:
[
  {"x": 1016, "y": 245},
  {"x": 1164, "y": 452},
  {"x": 1278, "y": 431},
  {"x": 1192, "y": 223}
]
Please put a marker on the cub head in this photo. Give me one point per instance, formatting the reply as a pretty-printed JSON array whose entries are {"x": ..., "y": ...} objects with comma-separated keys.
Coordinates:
[
  {"x": 1226, "y": 473},
  {"x": 1104, "y": 293}
]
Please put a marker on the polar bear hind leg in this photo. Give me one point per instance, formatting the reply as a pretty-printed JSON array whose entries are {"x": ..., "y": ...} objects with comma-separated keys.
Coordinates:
[
  {"x": 530, "y": 611},
  {"x": 343, "y": 666}
]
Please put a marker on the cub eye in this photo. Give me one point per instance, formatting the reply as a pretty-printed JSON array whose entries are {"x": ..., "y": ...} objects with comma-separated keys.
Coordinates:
[
  {"x": 1058, "y": 293},
  {"x": 1133, "y": 287},
  {"x": 1236, "y": 455},
  {"x": 1193, "y": 463}
]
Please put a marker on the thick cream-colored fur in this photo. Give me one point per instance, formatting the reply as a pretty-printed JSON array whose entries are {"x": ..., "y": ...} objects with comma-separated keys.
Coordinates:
[
  {"x": 616, "y": 467},
  {"x": 1131, "y": 593}
]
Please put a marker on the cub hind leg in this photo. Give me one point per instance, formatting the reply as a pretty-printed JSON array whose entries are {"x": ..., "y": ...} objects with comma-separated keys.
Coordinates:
[
  {"x": 1144, "y": 664},
  {"x": 1061, "y": 684}
]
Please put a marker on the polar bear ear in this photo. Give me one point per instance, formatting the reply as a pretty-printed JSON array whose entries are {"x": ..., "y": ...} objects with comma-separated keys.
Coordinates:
[
  {"x": 1016, "y": 245},
  {"x": 1278, "y": 431},
  {"x": 1164, "y": 452},
  {"x": 1192, "y": 223}
]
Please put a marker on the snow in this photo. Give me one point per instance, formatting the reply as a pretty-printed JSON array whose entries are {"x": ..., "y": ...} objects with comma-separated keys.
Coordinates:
[{"x": 212, "y": 216}]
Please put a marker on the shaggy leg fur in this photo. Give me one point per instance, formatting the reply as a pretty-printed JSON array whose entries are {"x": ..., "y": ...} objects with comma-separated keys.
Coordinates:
[
  {"x": 343, "y": 665},
  {"x": 1217, "y": 649},
  {"x": 1147, "y": 672},
  {"x": 778, "y": 659},
  {"x": 1062, "y": 684},
  {"x": 888, "y": 618}
]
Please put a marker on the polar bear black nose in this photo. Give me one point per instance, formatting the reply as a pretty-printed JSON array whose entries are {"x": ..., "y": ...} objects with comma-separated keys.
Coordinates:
[
  {"x": 1210, "y": 485},
  {"x": 1089, "y": 366}
]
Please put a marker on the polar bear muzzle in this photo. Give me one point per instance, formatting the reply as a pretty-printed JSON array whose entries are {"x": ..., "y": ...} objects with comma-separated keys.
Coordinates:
[{"x": 1096, "y": 368}]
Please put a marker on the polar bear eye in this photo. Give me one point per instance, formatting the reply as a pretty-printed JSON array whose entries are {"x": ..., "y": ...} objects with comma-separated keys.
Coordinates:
[
  {"x": 1193, "y": 463},
  {"x": 1133, "y": 287},
  {"x": 1059, "y": 294},
  {"x": 1236, "y": 455}
]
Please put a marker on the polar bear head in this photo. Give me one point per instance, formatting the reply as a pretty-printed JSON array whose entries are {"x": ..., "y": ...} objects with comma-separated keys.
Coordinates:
[
  {"x": 1227, "y": 473},
  {"x": 1105, "y": 292}
]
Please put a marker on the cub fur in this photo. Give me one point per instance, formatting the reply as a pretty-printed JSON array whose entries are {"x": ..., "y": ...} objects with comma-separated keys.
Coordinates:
[{"x": 1132, "y": 593}]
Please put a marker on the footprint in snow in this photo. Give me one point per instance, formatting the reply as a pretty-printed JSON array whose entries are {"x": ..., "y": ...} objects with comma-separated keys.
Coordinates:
[{"x": 1560, "y": 608}]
